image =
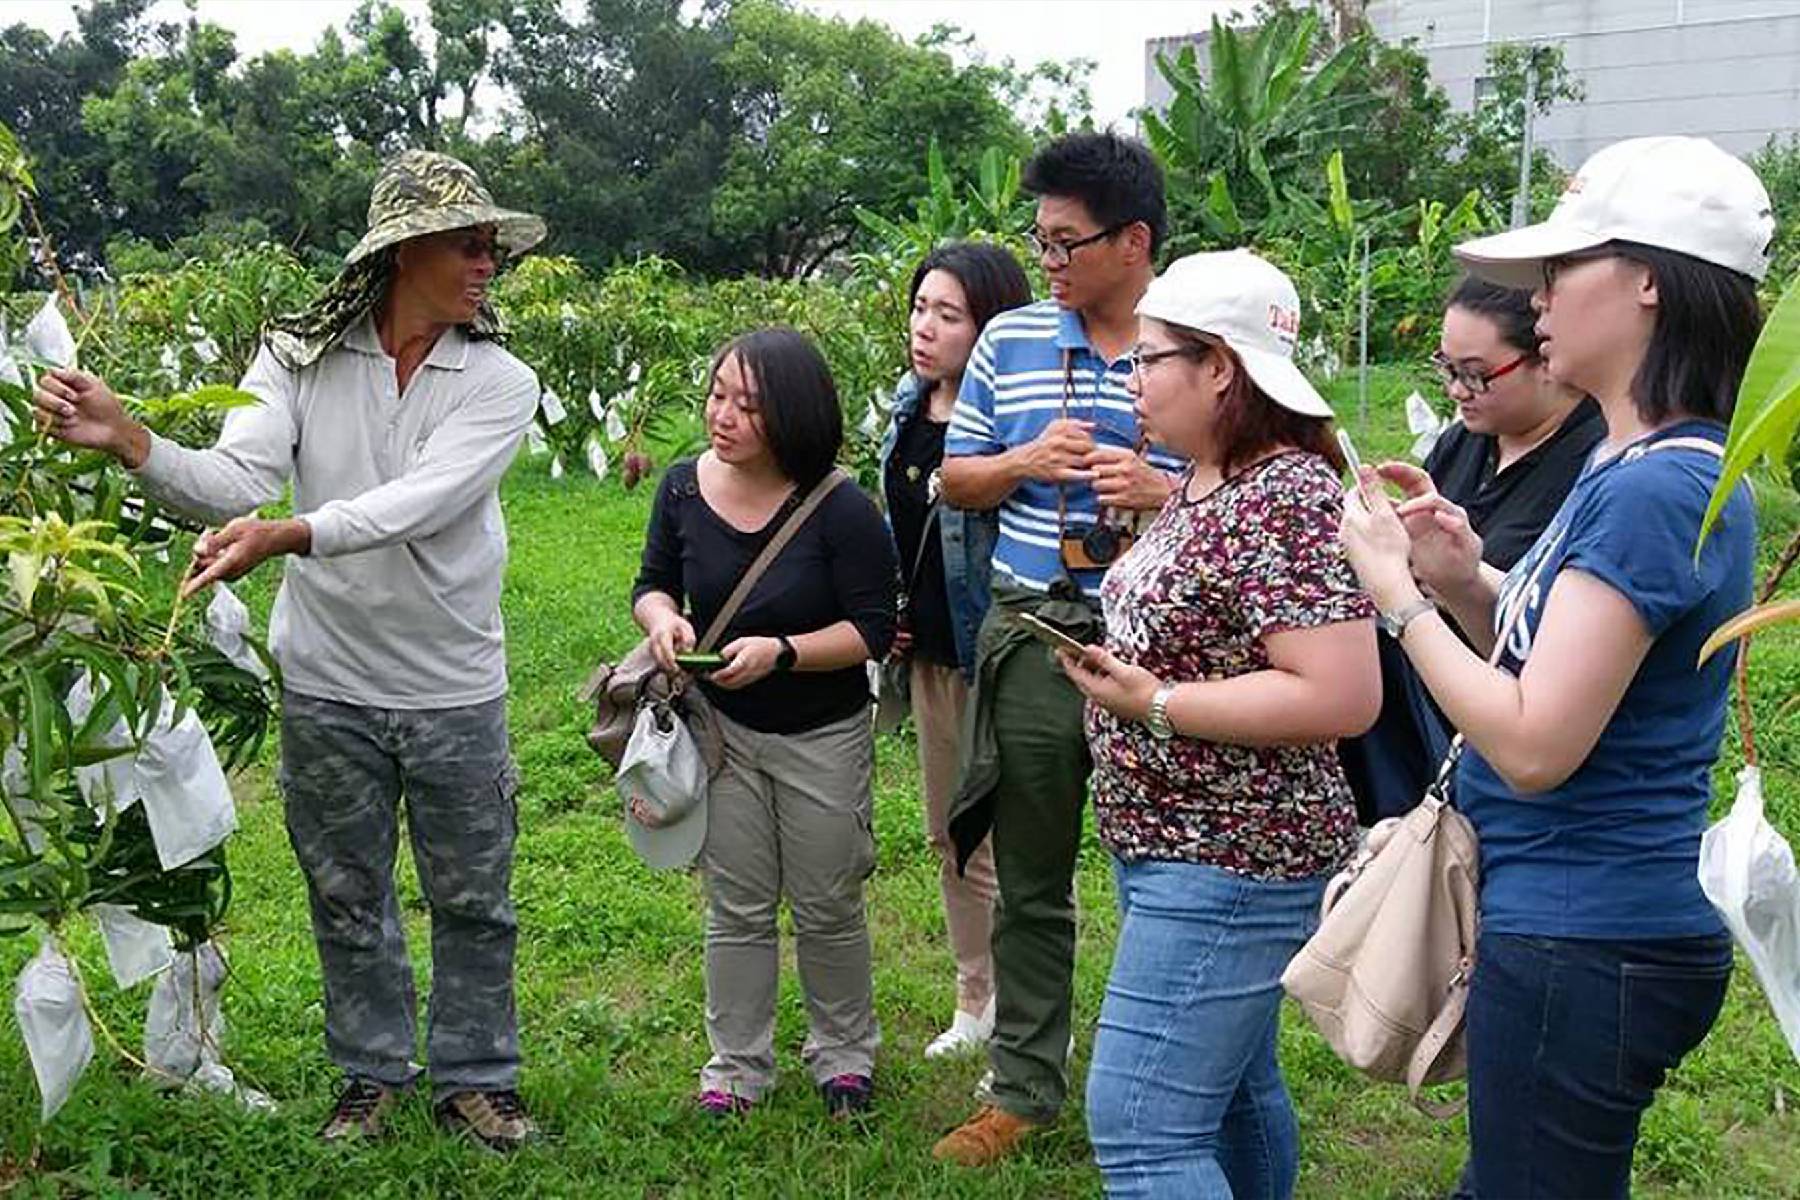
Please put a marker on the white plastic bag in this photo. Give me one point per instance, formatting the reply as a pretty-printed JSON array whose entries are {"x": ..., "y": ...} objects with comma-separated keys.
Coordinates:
[
  {"x": 175, "y": 772},
  {"x": 109, "y": 781},
  {"x": 57, "y": 1035},
  {"x": 175, "y": 1050},
  {"x": 185, "y": 793},
  {"x": 174, "y": 1045},
  {"x": 1424, "y": 424},
  {"x": 135, "y": 949},
  {"x": 227, "y": 621},
  {"x": 1747, "y": 871},
  {"x": 662, "y": 780},
  {"x": 17, "y": 790},
  {"x": 47, "y": 336}
]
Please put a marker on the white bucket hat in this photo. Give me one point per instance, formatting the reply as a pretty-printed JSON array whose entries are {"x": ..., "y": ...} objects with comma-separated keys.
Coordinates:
[
  {"x": 1249, "y": 304},
  {"x": 1676, "y": 193}
]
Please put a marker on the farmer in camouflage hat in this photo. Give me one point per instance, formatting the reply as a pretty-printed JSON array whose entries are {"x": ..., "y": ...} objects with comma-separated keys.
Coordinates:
[{"x": 393, "y": 411}]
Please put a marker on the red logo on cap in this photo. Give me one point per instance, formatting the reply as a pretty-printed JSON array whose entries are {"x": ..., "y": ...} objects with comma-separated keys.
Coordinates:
[{"x": 1284, "y": 320}]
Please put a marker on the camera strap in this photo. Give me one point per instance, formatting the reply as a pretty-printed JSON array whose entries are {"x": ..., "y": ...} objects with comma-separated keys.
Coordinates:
[{"x": 1068, "y": 394}]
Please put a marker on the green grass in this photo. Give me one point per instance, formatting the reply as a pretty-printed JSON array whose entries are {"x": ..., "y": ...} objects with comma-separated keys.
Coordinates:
[{"x": 611, "y": 994}]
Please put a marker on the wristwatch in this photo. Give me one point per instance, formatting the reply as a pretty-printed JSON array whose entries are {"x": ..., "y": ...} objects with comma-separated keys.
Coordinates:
[
  {"x": 1394, "y": 623},
  {"x": 785, "y": 661},
  {"x": 1157, "y": 719}
]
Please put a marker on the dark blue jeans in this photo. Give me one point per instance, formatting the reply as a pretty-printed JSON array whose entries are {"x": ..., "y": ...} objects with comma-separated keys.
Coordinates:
[{"x": 1568, "y": 1041}]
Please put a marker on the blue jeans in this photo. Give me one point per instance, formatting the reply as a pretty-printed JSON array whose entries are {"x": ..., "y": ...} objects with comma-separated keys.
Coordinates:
[
  {"x": 1185, "y": 1097},
  {"x": 1568, "y": 1041}
]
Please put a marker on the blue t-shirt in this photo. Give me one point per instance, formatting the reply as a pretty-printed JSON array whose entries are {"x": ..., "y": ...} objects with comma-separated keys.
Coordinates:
[
  {"x": 1612, "y": 851},
  {"x": 1013, "y": 388}
]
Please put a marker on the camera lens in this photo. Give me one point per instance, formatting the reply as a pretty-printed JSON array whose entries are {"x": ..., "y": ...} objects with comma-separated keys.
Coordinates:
[{"x": 1101, "y": 544}]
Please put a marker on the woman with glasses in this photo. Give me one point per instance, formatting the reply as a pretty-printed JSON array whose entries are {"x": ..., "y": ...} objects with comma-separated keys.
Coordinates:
[
  {"x": 1591, "y": 744},
  {"x": 1238, "y": 648},
  {"x": 945, "y": 556},
  {"x": 1508, "y": 461}
]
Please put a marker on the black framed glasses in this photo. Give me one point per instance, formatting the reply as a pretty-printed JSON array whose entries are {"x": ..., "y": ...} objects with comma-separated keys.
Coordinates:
[
  {"x": 1058, "y": 254},
  {"x": 1139, "y": 358},
  {"x": 1474, "y": 380}
]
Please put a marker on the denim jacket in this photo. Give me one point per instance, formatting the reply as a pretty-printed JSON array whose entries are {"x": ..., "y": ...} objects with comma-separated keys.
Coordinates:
[{"x": 968, "y": 536}]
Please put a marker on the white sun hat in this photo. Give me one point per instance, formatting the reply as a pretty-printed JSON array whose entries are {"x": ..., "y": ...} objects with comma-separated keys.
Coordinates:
[
  {"x": 1248, "y": 303},
  {"x": 1676, "y": 193}
]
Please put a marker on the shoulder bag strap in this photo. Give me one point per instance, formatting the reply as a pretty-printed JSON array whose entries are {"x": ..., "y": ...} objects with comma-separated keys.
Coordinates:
[
  {"x": 1706, "y": 445},
  {"x": 1431, "y": 1048},
  {"x": 770, "y": 552},
  {"x": 1440, "y": 786},
  {"x": 927, "y": 530}
]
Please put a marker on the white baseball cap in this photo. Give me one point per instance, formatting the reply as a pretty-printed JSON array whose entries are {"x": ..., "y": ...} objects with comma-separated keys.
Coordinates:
[
  {"x": 1250, "y": 305},
  {"x": 1676, "y": 193}
]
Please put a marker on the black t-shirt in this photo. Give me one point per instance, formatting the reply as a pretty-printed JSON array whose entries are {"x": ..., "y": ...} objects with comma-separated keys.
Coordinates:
[
  {"x": 918, "y": 452},
  {"x": 1511, "y": 508},
  {"x": 1390, "y": 766},
  {"x": 838, "y": 567}
]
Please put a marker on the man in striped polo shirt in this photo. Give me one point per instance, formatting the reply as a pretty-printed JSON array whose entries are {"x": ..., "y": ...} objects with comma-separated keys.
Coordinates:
[{"x": 1044, "y": 432}]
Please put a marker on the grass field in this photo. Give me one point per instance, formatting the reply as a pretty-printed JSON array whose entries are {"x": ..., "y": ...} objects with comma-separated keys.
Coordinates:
[{"x": 611, "y": 993}]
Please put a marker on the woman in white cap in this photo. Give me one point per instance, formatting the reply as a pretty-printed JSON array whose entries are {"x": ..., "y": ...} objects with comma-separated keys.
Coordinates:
[
  {"x": 1238, "y": 648},
  {"x": 1591, "y": 745}
]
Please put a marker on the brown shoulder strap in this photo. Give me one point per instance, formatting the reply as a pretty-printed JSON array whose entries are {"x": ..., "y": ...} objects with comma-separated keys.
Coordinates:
[{"x": 770, "y": 552}]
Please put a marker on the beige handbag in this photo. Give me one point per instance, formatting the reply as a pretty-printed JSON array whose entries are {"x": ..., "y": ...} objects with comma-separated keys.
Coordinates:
[
  {"x": 617, "y": 690},
  {"x": 1385, "y": 977}
]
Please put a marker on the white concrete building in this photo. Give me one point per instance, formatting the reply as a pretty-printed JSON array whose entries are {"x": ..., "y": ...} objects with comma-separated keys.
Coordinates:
[{"x": 1726, "y": 69}]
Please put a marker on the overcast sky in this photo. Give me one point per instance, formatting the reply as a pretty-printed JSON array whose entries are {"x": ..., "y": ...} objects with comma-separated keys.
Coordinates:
[{"x": 1111, "y": 32}]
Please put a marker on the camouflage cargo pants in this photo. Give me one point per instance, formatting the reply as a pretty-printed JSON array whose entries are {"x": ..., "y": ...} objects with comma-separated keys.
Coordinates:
[{"x": 344, "y": 771}]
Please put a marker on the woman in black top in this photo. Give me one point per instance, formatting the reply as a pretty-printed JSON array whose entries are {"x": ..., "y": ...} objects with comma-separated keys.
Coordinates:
[
  {"x": 1509, "y": 460},
  {"x": 944, "y": 560},
  {"x": 789, "y": 813}
]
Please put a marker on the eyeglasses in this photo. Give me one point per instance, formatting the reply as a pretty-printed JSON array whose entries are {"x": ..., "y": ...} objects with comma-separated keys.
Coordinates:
[
  {"x": 1058, "y": 254},
  {"x": 1552, "y": 267},
  {"x": 1474, "y": 380},
  {"x": 1139, "y": 358}
]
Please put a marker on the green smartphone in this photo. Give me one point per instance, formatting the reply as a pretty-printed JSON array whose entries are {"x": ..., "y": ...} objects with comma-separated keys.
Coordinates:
[{"x": 699, "y": 664}]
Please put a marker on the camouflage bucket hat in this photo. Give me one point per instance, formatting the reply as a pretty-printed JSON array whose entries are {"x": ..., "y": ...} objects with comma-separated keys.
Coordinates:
[{"x": 420, "y": 192}]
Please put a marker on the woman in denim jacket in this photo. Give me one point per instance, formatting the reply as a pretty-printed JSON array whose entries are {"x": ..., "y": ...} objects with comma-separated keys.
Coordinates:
[{"x": 944, "y": 556}]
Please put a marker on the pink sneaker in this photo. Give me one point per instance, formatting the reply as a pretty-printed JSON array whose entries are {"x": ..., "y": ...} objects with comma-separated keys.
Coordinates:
[{"x": 716, "y": 1103}]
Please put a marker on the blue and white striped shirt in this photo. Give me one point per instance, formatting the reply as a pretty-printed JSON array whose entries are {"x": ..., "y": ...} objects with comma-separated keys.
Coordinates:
[{"x": 1012, "y": 390}]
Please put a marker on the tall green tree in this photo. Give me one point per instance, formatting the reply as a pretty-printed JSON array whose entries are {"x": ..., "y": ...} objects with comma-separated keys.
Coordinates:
[
  {"x": 42, "y": 84},
  {"x": 620, "y": 128},
  {"x": 832, "y": 116}
]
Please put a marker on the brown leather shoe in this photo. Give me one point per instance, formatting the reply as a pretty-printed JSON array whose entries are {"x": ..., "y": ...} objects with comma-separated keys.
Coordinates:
[
  {"x": 361, "y": 1111},
  {"x": 984, "y": 1139}
]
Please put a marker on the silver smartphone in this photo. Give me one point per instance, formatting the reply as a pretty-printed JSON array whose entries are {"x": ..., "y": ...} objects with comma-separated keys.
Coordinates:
[
  {"x": 1355, "y": 461},
  {"x": 1049, "y": 634}
]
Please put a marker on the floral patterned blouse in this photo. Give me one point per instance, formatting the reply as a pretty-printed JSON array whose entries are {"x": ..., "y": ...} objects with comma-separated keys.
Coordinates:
[{"x": 1192, "y": 600}]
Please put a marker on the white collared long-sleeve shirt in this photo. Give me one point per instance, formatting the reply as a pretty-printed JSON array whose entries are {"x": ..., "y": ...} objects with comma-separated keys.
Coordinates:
[{"x": 398, "y": 604}]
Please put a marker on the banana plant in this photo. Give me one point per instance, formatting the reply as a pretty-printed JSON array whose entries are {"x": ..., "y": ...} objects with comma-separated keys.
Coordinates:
[{"x": 1261, "y": 113}]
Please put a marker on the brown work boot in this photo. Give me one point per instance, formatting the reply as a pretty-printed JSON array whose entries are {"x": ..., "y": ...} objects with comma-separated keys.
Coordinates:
[
  {"x": 985, "y": 1138},
  {"x": 361, "y": 1111},
  {"x": 495, "y": 1120}
]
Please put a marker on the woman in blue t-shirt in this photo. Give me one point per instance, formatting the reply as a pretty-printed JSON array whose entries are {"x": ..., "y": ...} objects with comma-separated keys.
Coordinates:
[{"x": 1600, "y": 963}]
